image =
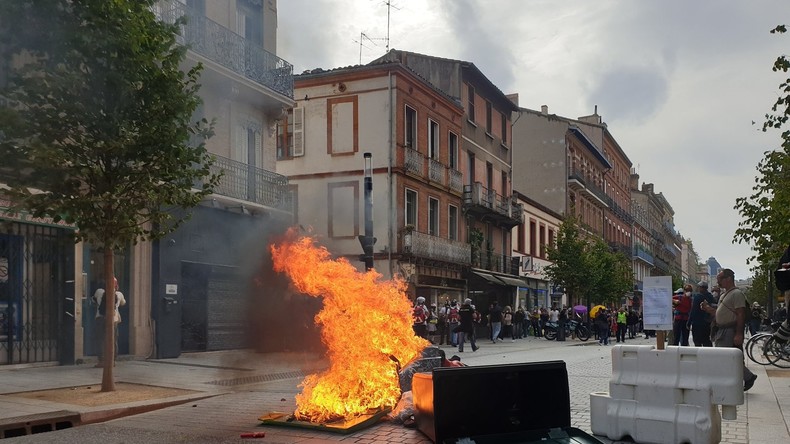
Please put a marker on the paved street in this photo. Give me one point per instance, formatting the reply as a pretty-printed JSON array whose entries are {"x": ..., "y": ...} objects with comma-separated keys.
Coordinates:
[{"x": 247, "y": 386}]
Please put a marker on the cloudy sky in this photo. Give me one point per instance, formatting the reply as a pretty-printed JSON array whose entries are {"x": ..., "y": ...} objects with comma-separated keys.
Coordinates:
[{"x": 683, "y": 85}]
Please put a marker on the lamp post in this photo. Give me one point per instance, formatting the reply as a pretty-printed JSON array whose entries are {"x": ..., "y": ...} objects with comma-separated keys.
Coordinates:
[{"x": 367, "y": 240}]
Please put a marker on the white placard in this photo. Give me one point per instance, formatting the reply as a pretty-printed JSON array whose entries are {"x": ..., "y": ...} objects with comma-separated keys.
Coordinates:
[
  {"x": 171, "y": 288},
  {"x": 657, "y": 303}
]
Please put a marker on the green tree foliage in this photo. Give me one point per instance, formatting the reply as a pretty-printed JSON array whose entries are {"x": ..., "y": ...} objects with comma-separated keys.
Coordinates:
[
  {"x": 99, "y": 130},
  {"x": 766, "y": 212},
  {"x": 586, "y": 268}
]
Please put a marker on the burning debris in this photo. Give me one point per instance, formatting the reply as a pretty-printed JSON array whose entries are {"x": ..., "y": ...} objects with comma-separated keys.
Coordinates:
[{"x": 365, "y": 324}]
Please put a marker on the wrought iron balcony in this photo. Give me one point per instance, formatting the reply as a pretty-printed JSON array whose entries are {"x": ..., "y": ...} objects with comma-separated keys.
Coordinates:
[
  {"x": 252, "y": 184},
  {"x": 437, "y": 248},
  {"x": 488, "y": 204},
  {"x": 499, "y": 263},
  {"x": 577, "y": 181},
  {"x": 642, "y": 254},
  {"x": 618, "y": 247},
  {"x": 660, "y": 264},
  {"x": 414, "y": 163},
  {"x": 223, "y": 46}
]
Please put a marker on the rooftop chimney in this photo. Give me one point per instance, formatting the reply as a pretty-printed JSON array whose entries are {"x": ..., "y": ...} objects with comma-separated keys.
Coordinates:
[{"x": 544, "y": 109}]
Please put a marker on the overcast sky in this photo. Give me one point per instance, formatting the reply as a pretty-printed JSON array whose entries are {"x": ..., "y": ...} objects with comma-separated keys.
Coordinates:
[{"x": 678, "y": 82}]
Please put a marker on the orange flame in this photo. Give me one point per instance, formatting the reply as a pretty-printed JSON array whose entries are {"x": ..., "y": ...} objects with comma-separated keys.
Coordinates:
[{"x": 364, "y": 321}]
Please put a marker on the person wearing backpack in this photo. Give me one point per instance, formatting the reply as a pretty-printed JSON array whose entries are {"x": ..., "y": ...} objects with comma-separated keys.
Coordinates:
[
  {"x": 453, "y": 321},
  {"x": 99, "y": 301}
]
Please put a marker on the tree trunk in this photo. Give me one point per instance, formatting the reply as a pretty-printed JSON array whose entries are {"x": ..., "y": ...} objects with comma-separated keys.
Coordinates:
[{"x": 108, "y": 359}]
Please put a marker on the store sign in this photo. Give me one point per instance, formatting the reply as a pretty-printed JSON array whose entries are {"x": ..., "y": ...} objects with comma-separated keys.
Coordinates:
[{"x": 5, "y": 206}]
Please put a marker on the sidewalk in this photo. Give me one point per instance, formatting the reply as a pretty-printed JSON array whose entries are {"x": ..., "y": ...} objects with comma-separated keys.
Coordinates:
[{"x": 249, "y": 385}]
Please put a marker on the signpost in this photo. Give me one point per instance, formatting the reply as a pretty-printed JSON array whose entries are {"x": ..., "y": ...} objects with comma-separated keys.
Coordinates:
[{"x": 657, "y": 306}]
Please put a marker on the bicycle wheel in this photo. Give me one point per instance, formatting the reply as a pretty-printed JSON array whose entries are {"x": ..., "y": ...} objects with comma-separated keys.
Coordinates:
[
  {"x": 755, "y": 349},
  {"x": 777, "y": 354}
]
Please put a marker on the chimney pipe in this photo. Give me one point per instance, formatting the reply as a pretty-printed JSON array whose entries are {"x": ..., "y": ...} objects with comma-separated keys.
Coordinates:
[{"x": 544, "y": 109}]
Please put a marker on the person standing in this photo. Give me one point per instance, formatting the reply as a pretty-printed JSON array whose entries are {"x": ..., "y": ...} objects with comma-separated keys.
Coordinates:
[
  {"x": 681, "y": 303},
  {"x": 433, "y": 321},
  {"x": 698, "y": 319},
  {"x": 602, "y": 320},
  {"x": 507, "y": 323},
  {"x": 730, "y": 319},
  {"x": 98, "y": 299},
  {"x": 622, "y": 324},
  {"x": 495, "y": 316},
  {"x": 467, "y": 326},
  {"x": 419, "y": 318},
  {"x": 452, "y": 322},
  {"x": 562, "y": 319},
  {"x": 519, "y": 323}
]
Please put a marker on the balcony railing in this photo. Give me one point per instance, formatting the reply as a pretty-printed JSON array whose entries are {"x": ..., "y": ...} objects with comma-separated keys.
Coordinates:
[
  {"x": 660, "y": 264},
  {"x": 252, "y": 184},
  {"x": 478, "y": 198},
  {"x": 437, "y": 248},
  {"x": 641, "y": 253},
  {"x": 223, "y": 46},
  {"x": 618, "y": 247},
  {"x": 589, "y": 188},
  {"x": 414, "y": 163},
  {"x": 499, "y": 263}
]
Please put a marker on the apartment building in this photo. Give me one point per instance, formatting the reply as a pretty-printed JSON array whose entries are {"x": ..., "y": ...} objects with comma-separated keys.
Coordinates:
[
  {"x": 485, "y": 158},
  {"x": 412, "y": 132}
]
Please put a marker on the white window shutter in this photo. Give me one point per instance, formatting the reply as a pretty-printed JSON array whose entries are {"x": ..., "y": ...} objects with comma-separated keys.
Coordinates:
[
  {"x": 258, "y": 149},
  {"x": 240, "y": 145},
  {"x": 298, "y": 132},
  {"x": 240, "y": 23}
]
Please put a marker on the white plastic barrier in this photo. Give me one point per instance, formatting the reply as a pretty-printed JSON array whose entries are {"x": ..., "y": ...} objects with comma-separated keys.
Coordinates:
[{"x": 669, "y": 396}]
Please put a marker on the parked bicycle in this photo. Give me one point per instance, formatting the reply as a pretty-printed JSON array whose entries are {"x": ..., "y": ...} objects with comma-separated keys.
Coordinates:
[{"x": 572, "y": 326}]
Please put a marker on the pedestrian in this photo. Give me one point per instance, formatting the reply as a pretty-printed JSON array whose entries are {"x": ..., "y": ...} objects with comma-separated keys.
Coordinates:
[
  {"x": 562, "y": 319},
  {"x": 433, "y": 321},
  {"x": 758, "y": 315},
  {"x": 507, "y": 323},
  {"x": 452, "y": 322},
  {"x": 730, "y": 319},
  {"x": 495, "y": 316},
  {"x": 622, "y": 324},
  {"x": 466, "y": 326},
  {"x": 681, "y": 304},
  {"x": 419, "y": 318},
  {"x": 100, "y": 320},
  {"x": 633, "y": 323},
  {"x": 441, "y": 323},
  {"x": 544, "y": 318},
  {"x": 602, "y": 320},
  {"x": 519, "y": 323},
  {"x": 699, "y": 321}
]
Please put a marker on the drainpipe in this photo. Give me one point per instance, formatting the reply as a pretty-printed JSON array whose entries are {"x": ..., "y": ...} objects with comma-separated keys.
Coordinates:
[{"x": 390, "y": 194}]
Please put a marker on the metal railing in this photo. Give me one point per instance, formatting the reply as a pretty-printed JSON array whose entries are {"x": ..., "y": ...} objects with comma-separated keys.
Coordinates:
[
  {"x": 436, "y": 171},
  {"x": 499, "y": 263},
  {"x": 413, "y": 161},
  {"x": 219, "y": 44},
  {"x": 589, "y": 186},
  {"x": 456, "y": 180},
  {"x": 478, "y": 195},
  {"x": 661, "y": 264},
  {"x": 250, "y": 183},
  {"x": 434, "y": 247},
  {"x": 641, "y": 253}
]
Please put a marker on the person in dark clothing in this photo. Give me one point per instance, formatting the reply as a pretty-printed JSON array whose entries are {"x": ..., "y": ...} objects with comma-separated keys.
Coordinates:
[
  {"x": 699, "y": 321},
  {"x": 518, "y": 324},
  {"x": 562, "y": 321},
  {"x": 633, "y": 322},
  {"x": 467, "y": 326},
  {"x": 495, "y": 317}
]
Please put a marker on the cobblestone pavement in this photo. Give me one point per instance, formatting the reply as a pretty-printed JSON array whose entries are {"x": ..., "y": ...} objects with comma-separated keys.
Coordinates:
[{"x": 224, "y": 417}]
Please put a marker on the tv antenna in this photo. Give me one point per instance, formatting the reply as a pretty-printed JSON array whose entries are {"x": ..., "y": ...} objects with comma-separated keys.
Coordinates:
[{"x": 363, "y": 37}]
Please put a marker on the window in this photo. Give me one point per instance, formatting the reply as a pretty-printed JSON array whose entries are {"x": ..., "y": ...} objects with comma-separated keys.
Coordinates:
[
  {"x": 249, "y": 20},
  {"x": 520, "y": 239},
  {"x": 489, "y": 116},
  {"x": 248, "y": 144},
  {"x": 410, "y": 136},
  {"x": 542, "y": 241},
  {"x": 290, "y": 135},
  {"x": 504, "y": 129},
  {"x": 551, "y": 238},
  {"x": 471, "y": 175},
  {"x": 342, "y": 115},
  {"x": 533, "y": 241},
  {"x": 433, "y": 140},
  {"x": 452, "y": 222},
  {"x": 433, "y": 216},
  {"x": 453, "y": 148},
  {"x": 470, "y": 93},
  {"x": 411, "y": 208}
]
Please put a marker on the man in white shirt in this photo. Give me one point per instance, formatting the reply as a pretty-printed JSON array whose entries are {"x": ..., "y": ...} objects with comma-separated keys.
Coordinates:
[{"x": 98, "y": 298}]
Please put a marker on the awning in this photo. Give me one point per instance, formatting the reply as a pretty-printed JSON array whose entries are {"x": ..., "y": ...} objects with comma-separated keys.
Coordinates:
[
  {"x": 488, "y": 277},
  {"x": 512, "y": 281}
]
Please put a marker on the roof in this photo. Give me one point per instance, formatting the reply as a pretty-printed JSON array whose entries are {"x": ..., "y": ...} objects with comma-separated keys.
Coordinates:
[{"x": 590, "y": 145}]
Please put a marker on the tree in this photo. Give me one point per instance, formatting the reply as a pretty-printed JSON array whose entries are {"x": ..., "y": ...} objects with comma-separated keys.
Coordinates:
[
  {"x": 98, "y": 132},
  {"x": 612, "y": 276},
  {"x": 766, "y": 212},
  {"x": 569, "y": 268}
]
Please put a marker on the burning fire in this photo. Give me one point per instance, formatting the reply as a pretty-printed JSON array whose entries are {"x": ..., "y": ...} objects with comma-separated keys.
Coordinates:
[{"x": 365, "y": 321}]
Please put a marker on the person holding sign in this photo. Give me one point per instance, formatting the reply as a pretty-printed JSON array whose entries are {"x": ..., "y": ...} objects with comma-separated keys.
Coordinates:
[{"x": 730, "y": 319}]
